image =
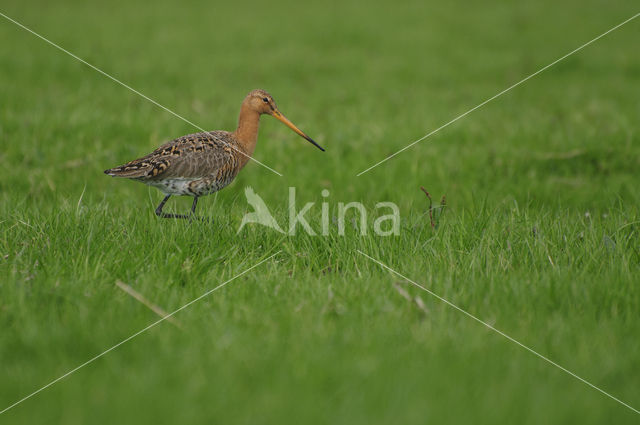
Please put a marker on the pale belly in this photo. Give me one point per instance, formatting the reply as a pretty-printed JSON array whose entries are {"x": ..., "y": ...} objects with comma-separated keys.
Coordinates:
[{"x": 188, "y": 186}]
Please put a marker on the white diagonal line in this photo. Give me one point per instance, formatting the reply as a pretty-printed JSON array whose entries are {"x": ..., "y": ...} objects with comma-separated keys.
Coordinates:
[
  {"x": 111, "y": 77},
  {"x": 546, "y": 359},
  {"x": 136, "y": 334},
  {"x": 500, "y": 94}
]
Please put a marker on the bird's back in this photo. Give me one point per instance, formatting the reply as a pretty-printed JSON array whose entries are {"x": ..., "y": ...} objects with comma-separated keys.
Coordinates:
[{"x": 192, "y": 156}]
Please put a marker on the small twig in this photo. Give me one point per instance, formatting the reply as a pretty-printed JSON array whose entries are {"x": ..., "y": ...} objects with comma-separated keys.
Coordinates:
[
  {"x": 421, "y": 304},
  {"x": 433, "y": 224},
  {"x": 139, "y": 297},
  {"x": 417, "y": 300},
  {"x": 402, "y": 291}
]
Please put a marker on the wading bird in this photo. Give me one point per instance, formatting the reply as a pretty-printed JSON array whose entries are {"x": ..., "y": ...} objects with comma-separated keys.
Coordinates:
[{"x": 203, "y": 163}]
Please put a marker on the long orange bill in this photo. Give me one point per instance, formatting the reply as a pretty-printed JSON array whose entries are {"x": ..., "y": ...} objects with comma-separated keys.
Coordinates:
[{"x": 289, "y": 124}]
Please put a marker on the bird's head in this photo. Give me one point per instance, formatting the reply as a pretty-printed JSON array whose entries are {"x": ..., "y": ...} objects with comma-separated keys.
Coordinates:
[{"x": 263, "y": 103}]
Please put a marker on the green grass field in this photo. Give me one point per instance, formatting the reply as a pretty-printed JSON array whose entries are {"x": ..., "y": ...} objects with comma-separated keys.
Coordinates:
[{"x": 540, "y": 237}]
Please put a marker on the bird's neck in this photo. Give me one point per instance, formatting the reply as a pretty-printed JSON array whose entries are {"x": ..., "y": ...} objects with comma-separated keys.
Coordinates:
[{"x": 247, "y": 132}]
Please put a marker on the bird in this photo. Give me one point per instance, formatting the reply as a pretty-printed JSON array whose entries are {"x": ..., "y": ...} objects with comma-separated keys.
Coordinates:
[{"x": 203, "y": 163}]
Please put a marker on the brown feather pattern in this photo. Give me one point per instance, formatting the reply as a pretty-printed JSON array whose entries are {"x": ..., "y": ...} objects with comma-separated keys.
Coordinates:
[{"x": 206, "y": 162}]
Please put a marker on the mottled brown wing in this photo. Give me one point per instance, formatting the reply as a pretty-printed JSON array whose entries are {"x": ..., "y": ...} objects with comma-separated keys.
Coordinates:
[{"x": 192, "y": 156}]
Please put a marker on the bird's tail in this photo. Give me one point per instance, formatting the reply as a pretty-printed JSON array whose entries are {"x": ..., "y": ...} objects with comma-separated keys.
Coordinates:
[{"x": 127, "y": 171}]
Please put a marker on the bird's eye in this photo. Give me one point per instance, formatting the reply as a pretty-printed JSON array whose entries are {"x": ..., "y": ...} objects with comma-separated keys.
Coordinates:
[{"x": 265, "y": 100}]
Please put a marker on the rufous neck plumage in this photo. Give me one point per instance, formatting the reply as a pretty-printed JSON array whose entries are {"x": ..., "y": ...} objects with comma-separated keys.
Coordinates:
[{"x": 247, "y": 132}]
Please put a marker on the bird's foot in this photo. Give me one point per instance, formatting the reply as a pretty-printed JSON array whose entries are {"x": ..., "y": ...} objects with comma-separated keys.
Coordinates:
[
  {"x": 190, "y": 217},
  {"x": 181, "y": 216}
]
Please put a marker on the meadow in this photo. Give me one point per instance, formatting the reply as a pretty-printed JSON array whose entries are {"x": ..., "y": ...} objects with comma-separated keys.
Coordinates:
[{"x": 540, "y": 236}]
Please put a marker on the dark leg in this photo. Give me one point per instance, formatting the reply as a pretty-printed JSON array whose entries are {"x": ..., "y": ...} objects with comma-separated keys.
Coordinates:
[
  {"x": 193, "y": 211},
  {"x": 193, "y": 206},
  {"x": 159, "y": 212},
  {"x": 161, "y": 206}
]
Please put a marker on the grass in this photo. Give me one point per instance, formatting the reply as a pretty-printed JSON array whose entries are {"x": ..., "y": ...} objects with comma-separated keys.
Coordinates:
[{"x": 540, "y": 237}]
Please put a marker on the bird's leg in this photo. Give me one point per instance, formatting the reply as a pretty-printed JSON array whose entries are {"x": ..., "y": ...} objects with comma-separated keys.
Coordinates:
[
  {"x": 193, "y": 211},
  {"x": 193, "y": 206},
  {"x": 159, "y": 212},
  {"x": 161, "y": 206}
]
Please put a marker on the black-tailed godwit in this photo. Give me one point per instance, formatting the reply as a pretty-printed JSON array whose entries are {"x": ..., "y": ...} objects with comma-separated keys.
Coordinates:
[{"x": 203, "y": 163}]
